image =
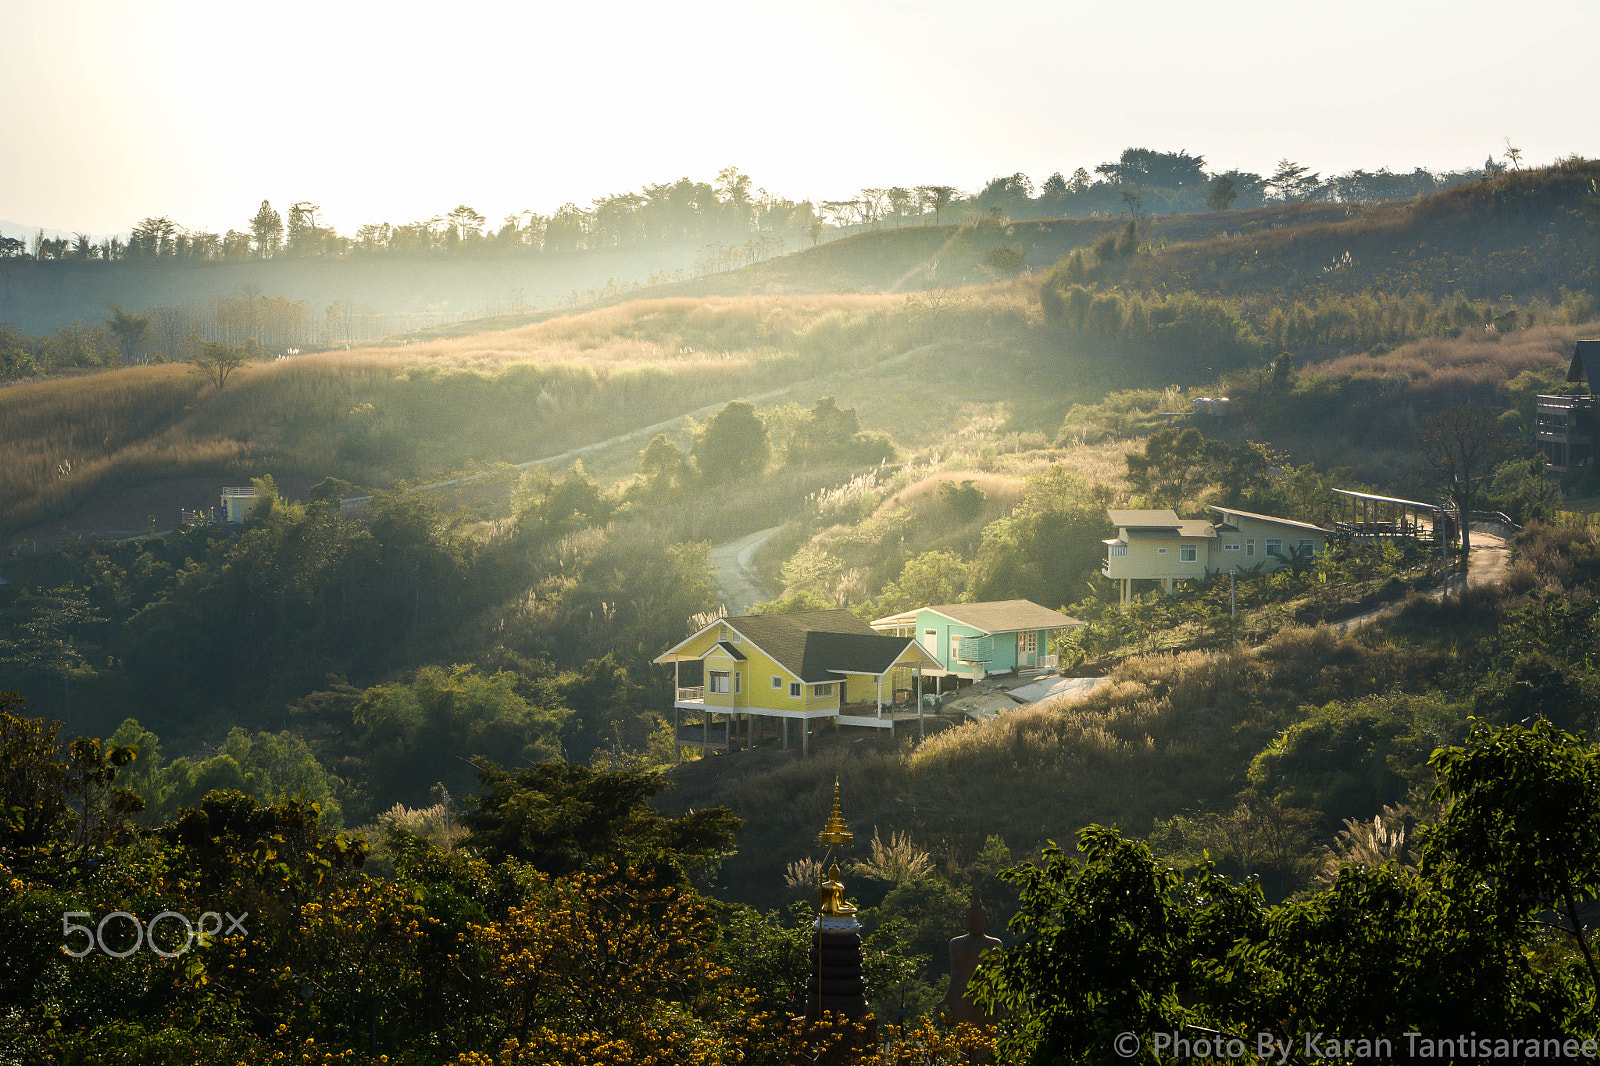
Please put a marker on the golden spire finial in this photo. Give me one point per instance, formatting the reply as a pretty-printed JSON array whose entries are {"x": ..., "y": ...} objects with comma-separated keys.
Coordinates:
[{"x": 836, "y": 832}]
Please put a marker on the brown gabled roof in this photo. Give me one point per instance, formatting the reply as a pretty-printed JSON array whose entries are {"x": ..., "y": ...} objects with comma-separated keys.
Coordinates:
[{"x": 1006, "y": 616}]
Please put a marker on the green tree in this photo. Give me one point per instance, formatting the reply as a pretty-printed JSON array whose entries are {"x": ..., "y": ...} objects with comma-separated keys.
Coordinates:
[
  {"x": 1291, "y": 181},
  {"x": 733, "y": 445},
  {"x": 1223, "y": 194},
  {"x": 1172, "y": 466},
  {"x": 267, "y": 228},
  {"x": 216, "y": 362},
  {"x": 663, "y": 468},
  {"x": 930, "y": 578},
  {"x": 822, "y": 434},
  {"x": 561, "y": 818},
  {"x": 1115, "y": 944},
  {"x": 129, "y": 329},
  {"x": 1525, "y": 814},
  {"x": 47, "y": 641}
]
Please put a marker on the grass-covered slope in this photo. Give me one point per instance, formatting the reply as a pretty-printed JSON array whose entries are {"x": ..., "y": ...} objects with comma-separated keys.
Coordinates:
[{"x": 1515, "y": 237}]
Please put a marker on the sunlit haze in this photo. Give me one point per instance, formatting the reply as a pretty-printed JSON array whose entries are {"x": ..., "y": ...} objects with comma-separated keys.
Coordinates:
[{"x": 198, "y": 111}]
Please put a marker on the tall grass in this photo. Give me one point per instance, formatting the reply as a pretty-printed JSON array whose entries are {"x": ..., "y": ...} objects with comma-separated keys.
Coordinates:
[{"x": 426, "y": 410}]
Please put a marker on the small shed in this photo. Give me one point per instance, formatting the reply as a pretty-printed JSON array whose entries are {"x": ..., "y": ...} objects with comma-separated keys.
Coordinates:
[{"x": 238, "y": 502}]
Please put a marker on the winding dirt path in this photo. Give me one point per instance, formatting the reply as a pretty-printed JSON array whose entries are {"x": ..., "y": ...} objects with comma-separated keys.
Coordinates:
[
  {"x": 1487, "y": 566},
  {"x": 735, "y": 580}
]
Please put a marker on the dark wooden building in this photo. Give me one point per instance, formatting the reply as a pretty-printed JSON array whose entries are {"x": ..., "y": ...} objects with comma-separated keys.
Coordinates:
[{"x": 1566, "y": 424}]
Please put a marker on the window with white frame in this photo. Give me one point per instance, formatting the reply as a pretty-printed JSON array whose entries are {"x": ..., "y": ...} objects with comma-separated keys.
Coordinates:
[
  {"x": 777, "y": 682},
  {"x": 1307, "y": 547},
  {"x": 821, "y": 690},
  {"x": 719, "y": 681},
  {"x": 738, "y": 682},
  {"x": 1274, "y": 547},
  {"x": 1161, "y": 551},
  {"x": 1250, "y": 547},
  {"x": 1116, "y": 551},
  {"x": 1230, "y": 547},
  {"x": 794, "y": 690},
  {"x": 1186, "y": 554},
  {"x": 1030, "y": 642},
  {"x": 955, "y": 649}
]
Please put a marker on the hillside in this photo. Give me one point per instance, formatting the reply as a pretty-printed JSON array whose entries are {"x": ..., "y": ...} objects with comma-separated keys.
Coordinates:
[
  {"x": 920, "y": 257},
  {"x": 1516, "y": 237}
]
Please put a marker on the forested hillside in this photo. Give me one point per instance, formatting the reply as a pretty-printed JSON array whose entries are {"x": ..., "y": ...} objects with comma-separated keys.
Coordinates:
[{"x": 417, "y": 732}]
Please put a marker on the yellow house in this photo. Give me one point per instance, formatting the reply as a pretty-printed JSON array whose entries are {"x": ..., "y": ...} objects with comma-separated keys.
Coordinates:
[
  {"x": 1160, "y": 546},
  {"x": 766, "y": 676}
]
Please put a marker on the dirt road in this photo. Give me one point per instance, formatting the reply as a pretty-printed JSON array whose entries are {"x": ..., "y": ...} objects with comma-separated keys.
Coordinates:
[
  {"x": 1490, "y": 554},
  {"x": 736, "y": 582}
]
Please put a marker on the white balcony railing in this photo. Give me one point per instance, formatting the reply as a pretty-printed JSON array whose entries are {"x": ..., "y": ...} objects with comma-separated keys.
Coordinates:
[{"x": 697, "y": 694}]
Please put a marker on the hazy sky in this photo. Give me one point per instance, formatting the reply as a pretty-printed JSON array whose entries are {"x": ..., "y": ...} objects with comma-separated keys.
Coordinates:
[{"x": 111, "y": 111}]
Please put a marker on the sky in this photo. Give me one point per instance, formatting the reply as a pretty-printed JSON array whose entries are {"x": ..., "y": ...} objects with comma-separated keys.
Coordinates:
[{"x": 113, "y": 111}]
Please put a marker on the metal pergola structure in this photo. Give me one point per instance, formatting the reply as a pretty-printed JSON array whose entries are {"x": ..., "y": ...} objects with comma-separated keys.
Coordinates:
[{"x": 1375, "y": 516}]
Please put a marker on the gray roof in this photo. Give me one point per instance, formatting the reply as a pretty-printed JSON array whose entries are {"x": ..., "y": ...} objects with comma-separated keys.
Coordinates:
[
  {"x": 816, "y": 646},
  {"x": 1006, "y": 616},
  {"x": 729, "y": 648},
  {"x": 1386, "y": 499},
  {"x": 1167, "y": 519},
  {"x": 1225, "y": 511}
]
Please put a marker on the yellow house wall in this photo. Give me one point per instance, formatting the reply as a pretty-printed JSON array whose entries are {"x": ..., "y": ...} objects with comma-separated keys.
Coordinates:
[
  {"x": 1144, "y": 560},
  {"x": 758, "y": 669},
  {"x": 1260, "y": 532}
]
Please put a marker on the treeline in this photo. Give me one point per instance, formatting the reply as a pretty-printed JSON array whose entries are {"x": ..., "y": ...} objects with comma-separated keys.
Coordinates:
[
  {"x": 175, "y": 332},
  {"x": 748, "y": 223}
]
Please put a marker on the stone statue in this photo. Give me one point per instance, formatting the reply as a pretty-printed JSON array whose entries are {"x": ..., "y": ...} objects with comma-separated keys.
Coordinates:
[{"x": 964, "y": 952}]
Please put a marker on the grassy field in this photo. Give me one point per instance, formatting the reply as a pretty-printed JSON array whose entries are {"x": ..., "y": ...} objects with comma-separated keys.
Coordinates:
[{"x": 378, "y": 416}]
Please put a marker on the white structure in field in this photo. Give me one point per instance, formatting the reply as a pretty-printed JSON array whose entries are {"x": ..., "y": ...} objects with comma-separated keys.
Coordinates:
[{"x": 238, "y": 504}]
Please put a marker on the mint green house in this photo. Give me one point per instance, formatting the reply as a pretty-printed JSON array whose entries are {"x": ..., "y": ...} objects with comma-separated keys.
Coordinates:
[{"x": 974, "y": 640}]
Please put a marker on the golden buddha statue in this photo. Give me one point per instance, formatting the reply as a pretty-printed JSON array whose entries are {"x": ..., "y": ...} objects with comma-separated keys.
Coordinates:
[{"x": 830, "y": 897}]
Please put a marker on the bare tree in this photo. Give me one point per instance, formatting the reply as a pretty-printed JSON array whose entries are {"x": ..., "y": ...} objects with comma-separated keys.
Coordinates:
[
  {"x": 1461, "y": 445},
  {"x": 937, "y": 197}
]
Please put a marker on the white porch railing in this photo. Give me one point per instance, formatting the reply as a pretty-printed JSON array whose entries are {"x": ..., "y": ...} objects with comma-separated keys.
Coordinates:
[{"x": 697, "y": 694}]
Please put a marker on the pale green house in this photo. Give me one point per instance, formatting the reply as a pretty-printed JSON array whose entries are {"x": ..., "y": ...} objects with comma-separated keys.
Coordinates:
[{"x": 974, "y": 640}]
